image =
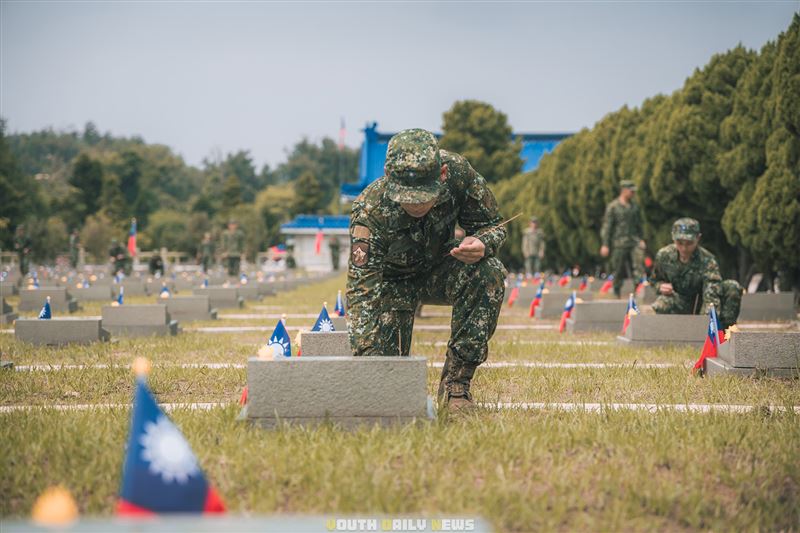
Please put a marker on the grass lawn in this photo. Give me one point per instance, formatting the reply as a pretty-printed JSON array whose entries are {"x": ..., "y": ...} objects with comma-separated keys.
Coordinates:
[{"x": 521, "y": 470}]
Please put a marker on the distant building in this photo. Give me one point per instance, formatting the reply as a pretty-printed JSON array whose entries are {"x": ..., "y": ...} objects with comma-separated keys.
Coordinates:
[
  {"x": 373, "y": 155},
  {"x": 302, "y": 234}
]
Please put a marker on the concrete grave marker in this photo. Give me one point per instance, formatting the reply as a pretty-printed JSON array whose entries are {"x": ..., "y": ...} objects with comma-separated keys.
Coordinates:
[
  {"x": 134, "y": 287},
  {"x": 94, "y": 293},
  {"x": 339, "y": 323},
  {"x": 187, "y": 308},
  {"x": 60, "y": 299},
  {"x": 60, "y": 331},
  {"x": 7, "y": 314},
  {"x": 602, "y": 315},
  {"x": 132, "y": 320},
  {"x": 250, "y": 292},
  {"x": 221, "y": 297},
  {"x": 322, "y": 344},
  {"x": 653, "y": 330},
  {"x": 750, "y": 353},
  {"x": 764, "y": 306},
  {"x": 552, "y": 305}
]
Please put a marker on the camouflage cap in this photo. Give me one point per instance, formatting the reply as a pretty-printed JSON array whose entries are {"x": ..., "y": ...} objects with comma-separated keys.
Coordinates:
[
  {"x": 413, "y": 167},
  {"x": 627, "y": 184},
  {"x": 685, "y": 229}
]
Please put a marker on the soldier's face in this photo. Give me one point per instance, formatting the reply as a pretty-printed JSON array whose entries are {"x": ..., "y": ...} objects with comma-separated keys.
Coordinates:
[
  {"x": 628, "y": 193},
  {"x": 420, "y": 210},
  {"x": 686, "y": 248}
]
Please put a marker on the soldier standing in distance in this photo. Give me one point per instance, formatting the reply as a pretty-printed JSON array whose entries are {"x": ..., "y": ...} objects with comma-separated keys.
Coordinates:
[
  {"x": 403, "y": 252},
  {"x": 336, "y": 250},
  {"x": 74, "y": 248},
  {"x": 232, "y": 247},
  {"x": 533, "y": 247},
  {"x": 22, "y": 245},
  {"x": 119, "y": 257},
  {"x": 687, "y": 278},
  {"x": 206, "y": 252},
  {"x": 621, "y": 236}
]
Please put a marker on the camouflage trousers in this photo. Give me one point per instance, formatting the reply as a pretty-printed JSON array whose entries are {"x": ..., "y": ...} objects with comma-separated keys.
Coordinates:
[
  {"x": 626, "y": 262},
  {"x": 475, "y": 291},
  {"x": 233, "y": 262},
  {"x": 678, "y": 304},
  {"x": 533, "y": 264}
]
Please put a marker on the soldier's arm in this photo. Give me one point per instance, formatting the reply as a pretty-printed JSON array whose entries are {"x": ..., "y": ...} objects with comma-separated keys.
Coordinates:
[
  {"x": 608, "y": 227},
  {"x": 712, "y": 285},
  {"x": 659, "y": 273},
  {"x": 364, "y": 281},
  {"x": 480, "y": 214}
]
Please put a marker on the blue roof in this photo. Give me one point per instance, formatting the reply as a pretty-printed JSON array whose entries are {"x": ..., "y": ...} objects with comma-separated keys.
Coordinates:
[
  {"x": 318, "y": 222},
  {"x": 373, "y": 154}
]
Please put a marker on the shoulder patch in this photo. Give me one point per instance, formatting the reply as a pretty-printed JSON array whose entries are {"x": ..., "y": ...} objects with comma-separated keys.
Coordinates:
[{"x": 361, "y": 232}]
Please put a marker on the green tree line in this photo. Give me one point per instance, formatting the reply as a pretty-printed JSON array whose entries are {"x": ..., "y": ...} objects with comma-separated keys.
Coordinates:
[{"x": 724, "y": 149}]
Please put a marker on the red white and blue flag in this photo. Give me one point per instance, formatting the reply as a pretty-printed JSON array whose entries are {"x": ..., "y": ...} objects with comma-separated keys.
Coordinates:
[
  {"x": 323, "y": 323},
  {"x": 607, "y": 284},
  {"x": 339, "y": 309},
  {"x": 641, "y": 285},
  {"x": 132, "y": 238},
  {"x": 584, "y": 284},
  {"x": 536, "y": 300},
  {"x": 567, "y": 312},
  {"x": 714, "y": 338},
  {"x": 565, "y": 278},
  {"x": 632, "y": 309},
  {"x": 161, "y": 474},
  {"x": 512, "y": 297},
  {"x": 279, "y": 342},
  {"x": 46, "y": 313},
  {"x": 121, "y": 297}
]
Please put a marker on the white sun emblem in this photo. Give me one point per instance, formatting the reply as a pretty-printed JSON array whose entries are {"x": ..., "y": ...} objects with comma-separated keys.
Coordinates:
[
  {"x": 280, "y": 347},
  {"x": 167, "y": 452},
  {"x": 326, "y": 325}
]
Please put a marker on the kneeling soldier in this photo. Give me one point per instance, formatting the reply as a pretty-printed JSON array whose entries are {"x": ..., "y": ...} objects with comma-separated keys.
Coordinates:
[
  {"x": 687, "y": 278},
  {"x": 402, "y": 253}
]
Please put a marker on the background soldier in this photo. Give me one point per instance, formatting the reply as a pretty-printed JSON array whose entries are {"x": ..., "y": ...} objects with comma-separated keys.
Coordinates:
[
  {"x": 533, "y": 247},
  {"x": 336, "y": 249},
  {"x": 119, "y": 257},
  {"x": 206, "y": 252},
  {"x": 74, "y": 248},
  {"x": 232, "y": 247},
  {"x": 22, "y": 245},
  {"x": 687, "y": 278},
  {"x": 621, "y": 232},
  {"x": 403, "y": 252}
]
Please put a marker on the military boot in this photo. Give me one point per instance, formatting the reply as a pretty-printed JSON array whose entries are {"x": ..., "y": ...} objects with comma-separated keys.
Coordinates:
[{"x": 457, "y": 386}]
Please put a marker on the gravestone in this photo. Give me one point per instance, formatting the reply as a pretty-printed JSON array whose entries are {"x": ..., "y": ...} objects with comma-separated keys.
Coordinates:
[
  {"x": 154, "y": 286},
  {"x": 768, "y": 306},
  {"x": 95, "y": 293},
  {"x": 7, "y": 314},
  {"x": 319, "y": 343},
  {"x": 133, "y": 320},
  {"x": 602, "y": 315},
  {"x": 249, "y": 292},
  {"x": 133, "y": 287},
  {"x": 552, "y": 305},
  {"x": 344, "y": 390},
  {"x": 647, "y": 297},
  {"x": 8, "y": 288},
  {"x": 60, "y": 331},
  {"x": 61, "y": 301},
  {"x": 749, "y": 353},
  {"x": 187, "y": 308},
  {"x": 339, "y": 323},
  {"x": 266, "y": 288},
  {"x": 221, "y": 297},
  {"x": 654, "y": 330}
]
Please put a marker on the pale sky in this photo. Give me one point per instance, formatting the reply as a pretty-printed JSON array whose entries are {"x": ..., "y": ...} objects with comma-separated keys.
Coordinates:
[{"x": 209, "y": 77}]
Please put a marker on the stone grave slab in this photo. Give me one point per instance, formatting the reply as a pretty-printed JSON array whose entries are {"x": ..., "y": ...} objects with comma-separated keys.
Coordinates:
[
  {"x": 61, "y": 301},
  {"x": 8, "y": 288},
  {"x": 7, "y": 314},
  {"x": 601, "y": 315},
  {"x": 95, "y": 293},
  {"x": 753, "y": 350},
  {"x": 768, "y": 306},
  {"x": 250, "y": 292},
  {"x": 60, "y": 331},
  {"x": 221, "y": 297},
  {"x": 154, "y": 286},
  {"x": 266, "y": 288},
  {"x": 552, "y": 305},
  {"x": 134, "y": 287},
  {"x": 187, "y": 308},
  {"x": 348, "y": 391},
  {"x": 133, "y": 320},
  {"x": 654, "y": 330},
  {"x": 318, "y": 343},
  {"x": 647, "y": 298},
  {"x": 339, "y": 323}
]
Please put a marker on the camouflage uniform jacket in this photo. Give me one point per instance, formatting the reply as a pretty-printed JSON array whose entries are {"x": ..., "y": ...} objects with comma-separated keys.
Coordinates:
[
  {"x": 232, "y": 243},
  {"x": 622, "y": 225},
  {"x": 532, "y": 242},
  {"x": 699, "y": 278},
  {"x": 391, "y": 251}
]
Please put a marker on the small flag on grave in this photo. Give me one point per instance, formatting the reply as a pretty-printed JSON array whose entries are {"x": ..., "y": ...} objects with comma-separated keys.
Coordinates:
[
  {"x": 339, "y": 309},
  {"x": 121, "y": 297},
  {"x": 632, "y": 309},
  {"x": 161, "y": 474},
  {"x": 46, "y": 313},
  {"x": 567, "y": 312},
  {"x": 564, "y": 279},
  {"x": 584, "y": 284},
  {"x": 205, "y": 282},
  {"x": 243, "y": 279},
  {"x": 132, "y": 238},
  {"x": 714, "y": 338},
  {"x": 35, "y": 280},
  {"x": 164, "y": 291},
  {"x": 607, "y": 284},
  {"x": 641, "y": 285},
  {"x": 323, "y": 323},
  {"x": 318, "y": 242},
  {"x": 514, "y": 294},
  {"x": 536, "y": 300},
  {"x": 279, "y": 344}
]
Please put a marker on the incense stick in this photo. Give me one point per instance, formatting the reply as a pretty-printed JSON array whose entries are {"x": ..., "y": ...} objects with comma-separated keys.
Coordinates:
[{"x": 481, "y": 234}]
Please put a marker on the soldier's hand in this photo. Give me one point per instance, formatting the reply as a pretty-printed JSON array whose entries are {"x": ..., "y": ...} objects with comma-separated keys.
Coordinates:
[
  {"x": 604, "y": 251},
  {"x": 471, "y": 250},
  {"x": 666, "y": 289}
]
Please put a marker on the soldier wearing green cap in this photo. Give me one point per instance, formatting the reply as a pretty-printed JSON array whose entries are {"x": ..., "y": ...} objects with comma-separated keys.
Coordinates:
[
  {"x": 533, "y": 247},
  {"x": 687, "y": 278},
  {"x": 621, "y": 237},
  {"x": 233, "y": 247},
  {"x": 403, "y": 252}
]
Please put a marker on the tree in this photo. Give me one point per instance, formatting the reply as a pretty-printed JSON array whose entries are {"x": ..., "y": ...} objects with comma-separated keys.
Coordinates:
[
  {"x": 87, "y": 179},
  {"x": 308, "y": 195},
  {"x": 19, "y": 197},
  {"x": 231, "y": 193},
  {"x": 482, "y": 134}
]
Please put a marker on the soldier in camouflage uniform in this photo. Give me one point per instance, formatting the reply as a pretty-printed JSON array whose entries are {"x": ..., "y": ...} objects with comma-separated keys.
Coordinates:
[
  {"x": 120, "y": 258},
  {"x": 403, "y": 252},
  {"x": 206, "y": 252},
  {"x": 687, "y": 278},
  {"x": 232, "y": 247},
  {"x": 533, "y": 247},
  {"x": 621, "y": 237}
]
